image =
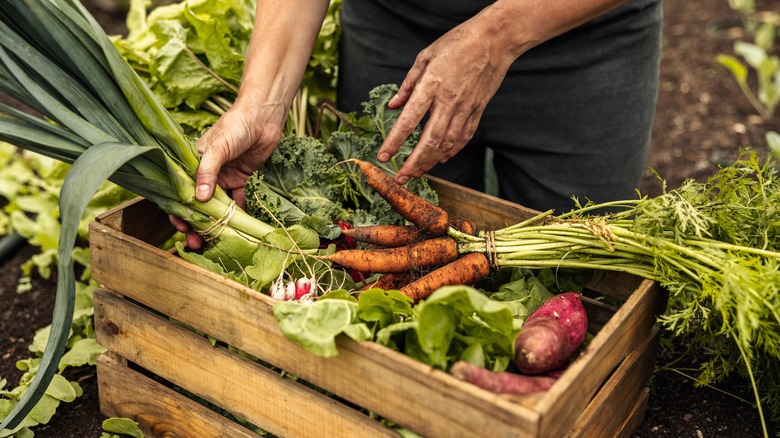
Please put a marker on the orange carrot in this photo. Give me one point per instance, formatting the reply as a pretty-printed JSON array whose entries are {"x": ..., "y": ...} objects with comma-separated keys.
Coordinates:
[
  {"x": 413, "y": 208},
  {"x": 425, "y": 253},
  {"x": 465, "y": 226},
  {"x": 391, "y": 281},
  {"x": 391, "y": 236},
  {"x": 468, "y": 269}
]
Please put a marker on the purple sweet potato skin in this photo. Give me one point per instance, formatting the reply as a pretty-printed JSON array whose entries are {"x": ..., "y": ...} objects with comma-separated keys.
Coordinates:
[
  {"x": 500, "y": 382},
  {"x": 552, "y": 334}
]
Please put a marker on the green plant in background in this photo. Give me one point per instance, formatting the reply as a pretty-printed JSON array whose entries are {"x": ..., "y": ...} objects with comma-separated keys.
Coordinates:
[
  {"x": 192, "y": 55},
  {"x": 760, "y": 59},
  {"x": 767, "y": 73},
  {"x": 30, "y": 184}
]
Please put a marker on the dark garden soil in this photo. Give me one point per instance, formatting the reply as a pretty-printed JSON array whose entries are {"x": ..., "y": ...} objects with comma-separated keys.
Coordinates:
[{"x": 702, "y": 120}]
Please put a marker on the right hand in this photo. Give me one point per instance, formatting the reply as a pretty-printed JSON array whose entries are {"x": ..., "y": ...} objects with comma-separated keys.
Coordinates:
[{"x": 236, "y": 146}]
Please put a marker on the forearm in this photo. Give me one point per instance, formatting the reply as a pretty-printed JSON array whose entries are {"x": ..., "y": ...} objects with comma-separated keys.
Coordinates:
[
  {"x": 282, "y": 40},
  {"x": 523, "y": 24}
]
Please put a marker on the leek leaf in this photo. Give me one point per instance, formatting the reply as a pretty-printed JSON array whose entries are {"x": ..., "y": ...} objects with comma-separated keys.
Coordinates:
[{"x": 86, "y": 176}]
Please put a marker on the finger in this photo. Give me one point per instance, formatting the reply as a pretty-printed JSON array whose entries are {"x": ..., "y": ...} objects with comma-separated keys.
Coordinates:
[
  {"x": 194, "y": 241},
  {"x": 239, "y": 195},
  {"x": 407, "y": 122},
  {"x": 407, "y": 86},
  {"x": 178, "y": 223},
  {"x": 208, "y": 172},
  {"x": 459, "y": 133}
]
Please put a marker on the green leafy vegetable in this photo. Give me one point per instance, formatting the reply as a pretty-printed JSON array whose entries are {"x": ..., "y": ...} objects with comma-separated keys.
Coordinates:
[
  {"x": 305, "y": 181},
  {"x": 122, "y": 426}
]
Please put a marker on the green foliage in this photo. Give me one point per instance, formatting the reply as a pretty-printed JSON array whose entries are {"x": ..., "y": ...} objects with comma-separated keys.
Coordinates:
[
  {"x": 192, "y": 55},
  {"x": 307, "y": 181},
  {"x": 453, "y": 323},
  {"x": 759, "y": 75},
  {"x": 116, "y": 427},
  {"x": 767, "y": 72}
]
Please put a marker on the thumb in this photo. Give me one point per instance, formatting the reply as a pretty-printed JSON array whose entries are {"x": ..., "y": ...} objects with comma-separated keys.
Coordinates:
[{"x": 206, "y": 179}]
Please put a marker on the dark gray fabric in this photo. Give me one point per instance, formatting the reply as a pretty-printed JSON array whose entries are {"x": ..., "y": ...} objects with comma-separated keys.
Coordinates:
[{"x": 572, "y": 117}]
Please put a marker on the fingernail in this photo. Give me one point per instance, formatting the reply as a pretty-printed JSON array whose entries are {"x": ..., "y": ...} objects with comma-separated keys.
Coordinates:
[
  {"x": 202, "y": 192},
  {"x": 393, "y": 99},
  {"x": 384, "y": 156},
  {"x": 403, "y": 179}
]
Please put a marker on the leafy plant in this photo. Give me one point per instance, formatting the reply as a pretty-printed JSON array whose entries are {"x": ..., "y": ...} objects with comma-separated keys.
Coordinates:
[
  {"x": 192, "y": 54},
  {"x": 767, "y": 71}
]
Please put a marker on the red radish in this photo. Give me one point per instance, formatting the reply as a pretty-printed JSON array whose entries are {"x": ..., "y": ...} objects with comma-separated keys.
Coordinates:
[{"x": 302, "y": 287}]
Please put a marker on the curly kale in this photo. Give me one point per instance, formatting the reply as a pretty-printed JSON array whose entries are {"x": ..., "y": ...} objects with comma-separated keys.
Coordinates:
[
  {"x": 300, "y": 183},
  {"x": 311, "y": 182}
]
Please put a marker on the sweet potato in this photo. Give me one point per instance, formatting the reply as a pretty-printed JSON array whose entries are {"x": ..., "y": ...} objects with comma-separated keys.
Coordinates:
[
  {"x": 500, "y": 382},
  {"x": 552, "y": 334}
]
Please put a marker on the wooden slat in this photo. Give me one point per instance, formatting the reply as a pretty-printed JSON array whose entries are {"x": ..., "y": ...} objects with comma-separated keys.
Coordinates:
[
  {"x": 624, "y": 332},
  {"x": 488, "y": 212},
  {"x": 636, "y": 417},
  {"x": 261, "y": 396},
  {"x": 615, "y": 400},
  {"x": 139, "y": 217},
  {"x": 159, "y": 411}
]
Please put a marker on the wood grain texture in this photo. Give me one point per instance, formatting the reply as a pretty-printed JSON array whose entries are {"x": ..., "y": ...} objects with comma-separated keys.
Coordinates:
[
  {"x": 615, "y": 402},
  {"x": 264, "y": 397},
  {"x": 159, "y": 411}
]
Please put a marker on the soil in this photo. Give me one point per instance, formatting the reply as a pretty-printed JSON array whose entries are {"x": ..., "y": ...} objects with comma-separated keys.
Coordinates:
[{"x": 702, "y": 121}]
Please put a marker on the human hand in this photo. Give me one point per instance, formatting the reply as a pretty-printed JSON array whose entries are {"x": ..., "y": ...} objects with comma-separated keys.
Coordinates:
[
  {"x": 453, "y": 79},
  {"x": 237, "y": 145}
]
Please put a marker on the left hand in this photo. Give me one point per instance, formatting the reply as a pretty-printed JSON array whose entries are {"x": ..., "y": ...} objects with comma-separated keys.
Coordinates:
[{"x": 453, "y": 79}]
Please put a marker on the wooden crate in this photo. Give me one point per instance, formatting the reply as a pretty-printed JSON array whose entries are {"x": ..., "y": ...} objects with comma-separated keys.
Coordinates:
[{"x": 153, "y": 308}]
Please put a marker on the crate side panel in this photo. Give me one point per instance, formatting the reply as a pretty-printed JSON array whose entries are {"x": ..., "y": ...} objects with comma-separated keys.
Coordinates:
[
  {"x": 616, "y": 399},
  {"x": 159, "y": 411},
  {"x": 636, "y": 417},
  {"x": 263, "y": 397},
  {"x": 623, "y": 333},
  {"x": 488, "y": 212}
]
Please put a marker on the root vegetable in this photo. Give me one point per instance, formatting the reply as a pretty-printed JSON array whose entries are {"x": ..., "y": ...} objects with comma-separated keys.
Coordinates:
[
  {"x": 426, "y": 253},
  {"x": 466, "y": 270},
  {"x": 391, "y": 280},
  {"x": 501, "y": 382},
  {"x": 420, "y": 212},
  {"x": 390, "y": 236},
  {"x": 552, "y": 334},
  {"x": 465, "y": 225}
]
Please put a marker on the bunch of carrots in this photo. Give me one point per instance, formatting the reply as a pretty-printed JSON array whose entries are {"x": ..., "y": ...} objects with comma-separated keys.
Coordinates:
[{"x": 402, "y": 253}]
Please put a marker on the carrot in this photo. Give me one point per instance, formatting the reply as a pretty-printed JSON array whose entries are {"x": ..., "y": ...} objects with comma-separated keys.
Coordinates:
[
  {"x": 466, "y": 270},
  {"x": 500, "y": 382},
  {"x": 391, "y": 236},
  {"x": 413, "y": 208},
  {"x": 465, "y": 226},
  {"x": 425, "y": 253},
  {"x": 390, "y": 281}
]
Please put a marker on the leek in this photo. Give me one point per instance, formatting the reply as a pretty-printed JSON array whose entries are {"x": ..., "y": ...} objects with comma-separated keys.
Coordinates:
[{"x": 100, "y": 116}]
